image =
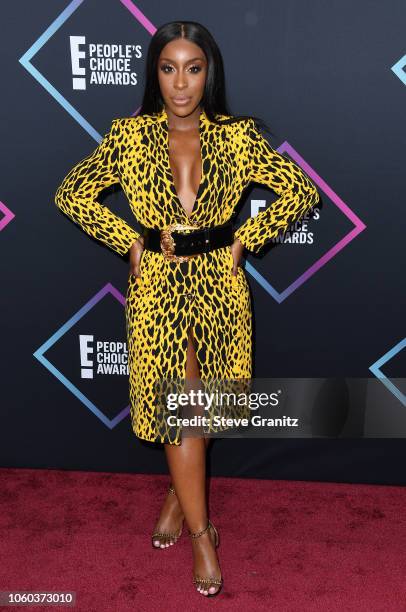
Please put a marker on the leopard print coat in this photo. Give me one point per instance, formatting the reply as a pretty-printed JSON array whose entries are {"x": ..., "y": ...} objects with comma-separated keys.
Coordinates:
[{"x": 200, "y": 293}]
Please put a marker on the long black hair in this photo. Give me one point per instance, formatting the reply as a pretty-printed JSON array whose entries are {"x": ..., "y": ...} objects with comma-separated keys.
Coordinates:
[{"x": 214, "y": 97}]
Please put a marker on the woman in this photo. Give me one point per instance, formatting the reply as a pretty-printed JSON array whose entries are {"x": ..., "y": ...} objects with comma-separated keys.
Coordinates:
[{"x": 183, "y": 163}]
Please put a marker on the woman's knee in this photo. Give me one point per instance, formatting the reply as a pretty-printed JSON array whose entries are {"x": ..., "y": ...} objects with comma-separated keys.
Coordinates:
[
  {"x": 193, "y": 382},
  {"x": 192, "y": 365}
]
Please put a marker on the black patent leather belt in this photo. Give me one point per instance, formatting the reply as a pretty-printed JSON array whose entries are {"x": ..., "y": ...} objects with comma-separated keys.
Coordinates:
[{"x": 177, "y": 245}]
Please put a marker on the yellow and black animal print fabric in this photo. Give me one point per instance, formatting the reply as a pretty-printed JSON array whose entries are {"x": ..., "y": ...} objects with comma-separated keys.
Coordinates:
[{"x": 200, "y": 293}]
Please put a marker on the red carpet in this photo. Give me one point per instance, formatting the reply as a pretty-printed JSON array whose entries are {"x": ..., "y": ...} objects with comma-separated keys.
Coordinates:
[{"x": 284, "y": 546}]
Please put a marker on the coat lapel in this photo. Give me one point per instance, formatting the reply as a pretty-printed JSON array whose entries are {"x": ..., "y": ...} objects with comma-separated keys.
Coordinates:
[{"x": 162, "y": 154}]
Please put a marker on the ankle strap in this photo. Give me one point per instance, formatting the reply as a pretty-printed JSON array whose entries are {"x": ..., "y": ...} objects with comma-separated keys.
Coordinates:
[{"x": 197, "y": 534}]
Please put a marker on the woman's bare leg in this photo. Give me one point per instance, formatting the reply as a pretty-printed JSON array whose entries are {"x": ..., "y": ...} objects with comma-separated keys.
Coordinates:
[
  {"x": 170, "y": 518},
  {"x": 187, "y": 466},
  {"x": 171, "y": 515}
]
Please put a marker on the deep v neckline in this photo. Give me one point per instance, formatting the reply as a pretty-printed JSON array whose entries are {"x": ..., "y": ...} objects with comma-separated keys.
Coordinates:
[{"x": 169, "y": 169}]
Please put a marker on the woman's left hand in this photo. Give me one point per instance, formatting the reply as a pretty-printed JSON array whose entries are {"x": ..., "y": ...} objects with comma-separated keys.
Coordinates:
[{"x": 236, "y": 249}]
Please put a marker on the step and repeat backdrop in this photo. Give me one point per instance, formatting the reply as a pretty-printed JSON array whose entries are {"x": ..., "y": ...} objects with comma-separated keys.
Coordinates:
[{"x": 328, "y": 299}]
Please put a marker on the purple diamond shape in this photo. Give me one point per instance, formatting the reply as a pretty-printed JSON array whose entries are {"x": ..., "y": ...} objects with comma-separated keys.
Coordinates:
[
  {"x": 40, "y": 355},
  {"x": 359, "y": 226}
]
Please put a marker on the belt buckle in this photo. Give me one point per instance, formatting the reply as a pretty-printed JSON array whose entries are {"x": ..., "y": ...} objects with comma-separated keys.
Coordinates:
[{"x": 168, "y": 243}]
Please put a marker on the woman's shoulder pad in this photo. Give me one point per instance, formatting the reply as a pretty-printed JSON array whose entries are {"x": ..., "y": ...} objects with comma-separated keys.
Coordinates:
[
  {"x": 235, "y": 121},
  {"x": 126, "y": 121}
]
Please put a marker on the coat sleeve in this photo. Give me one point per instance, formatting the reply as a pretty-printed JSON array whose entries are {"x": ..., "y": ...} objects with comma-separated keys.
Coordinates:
[
  {"x": 76, "y": 195},
  {"x": 297, "y": 193}
]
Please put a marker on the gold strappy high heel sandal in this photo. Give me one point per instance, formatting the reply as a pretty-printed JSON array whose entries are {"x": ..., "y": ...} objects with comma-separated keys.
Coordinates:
[
  {"x": 166, "y": 536},
  {"x": 206, "y": 583}
]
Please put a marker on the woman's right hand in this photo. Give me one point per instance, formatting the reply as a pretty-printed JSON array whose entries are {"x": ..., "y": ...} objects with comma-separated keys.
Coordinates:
[{"x": 136, "y": 250}]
